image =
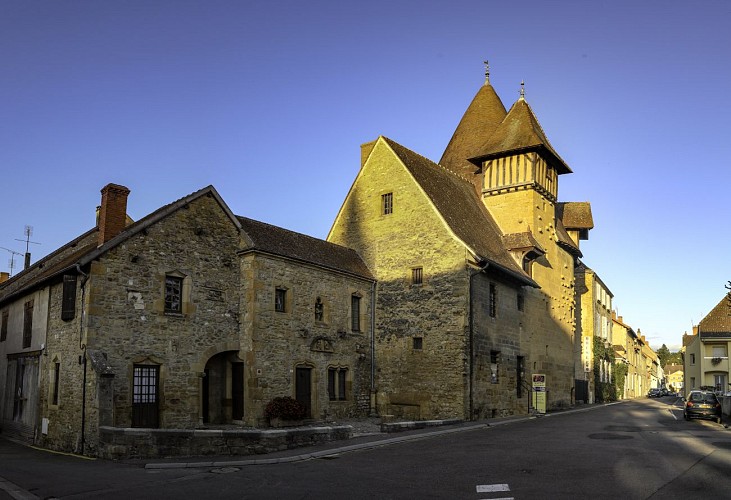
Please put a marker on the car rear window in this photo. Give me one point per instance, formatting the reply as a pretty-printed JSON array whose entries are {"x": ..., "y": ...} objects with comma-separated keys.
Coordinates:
[{"x": 710, "y": 398}]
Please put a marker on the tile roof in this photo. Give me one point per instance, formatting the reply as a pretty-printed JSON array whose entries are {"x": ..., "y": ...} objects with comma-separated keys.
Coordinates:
[
  {"x": 456, "y": 201},
  {"x": 518, "y": 132},
  {"x": 575, "y": 214},
  {"x": 718, "y": 320},
  {"x": 300, "y": 247},
  {"x": 481, "y": 118}
]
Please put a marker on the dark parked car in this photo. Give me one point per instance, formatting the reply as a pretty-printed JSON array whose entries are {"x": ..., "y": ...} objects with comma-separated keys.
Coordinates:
[
  {"x": 702, "y": 404},
  {"x": 654, "y": 393}
]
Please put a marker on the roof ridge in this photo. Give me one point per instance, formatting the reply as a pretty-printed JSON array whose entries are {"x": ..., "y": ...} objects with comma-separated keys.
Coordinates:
[
  {"x": 280, "y": 228},
  {"x": 439, "y": 165}
]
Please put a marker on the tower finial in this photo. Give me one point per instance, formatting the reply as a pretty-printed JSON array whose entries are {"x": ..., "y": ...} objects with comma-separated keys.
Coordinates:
[
  {"x": 487, "y": 72},
  {"x": 522, "y": 89}
]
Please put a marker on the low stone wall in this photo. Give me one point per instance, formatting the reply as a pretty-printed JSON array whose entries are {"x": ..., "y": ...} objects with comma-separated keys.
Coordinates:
[
  {"x": 390, "y": 427},
  {"x": 123, "y": 443}
]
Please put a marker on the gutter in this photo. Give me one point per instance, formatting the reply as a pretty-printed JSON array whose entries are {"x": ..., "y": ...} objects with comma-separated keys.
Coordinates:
[{"x": 82, "y": 361}]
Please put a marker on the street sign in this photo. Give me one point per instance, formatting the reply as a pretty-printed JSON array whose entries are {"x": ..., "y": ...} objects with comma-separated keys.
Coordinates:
[{"x": 539, "y": 392}]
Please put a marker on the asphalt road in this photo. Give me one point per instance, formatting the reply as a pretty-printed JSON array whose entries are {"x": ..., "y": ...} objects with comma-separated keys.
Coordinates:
[{"x": 632, "y": 450}]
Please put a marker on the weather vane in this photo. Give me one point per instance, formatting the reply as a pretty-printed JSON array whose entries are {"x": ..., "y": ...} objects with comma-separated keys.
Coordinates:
[
  {"x": 487, "y": 71},
  {"x": 522, "y": 89}
]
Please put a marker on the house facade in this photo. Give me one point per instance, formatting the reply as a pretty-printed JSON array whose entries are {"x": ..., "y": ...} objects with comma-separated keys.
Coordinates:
[
  {"x": 594, "y": 325},
  {"x": 706, "y": 362},
  {"x": 170, "y": 323}
]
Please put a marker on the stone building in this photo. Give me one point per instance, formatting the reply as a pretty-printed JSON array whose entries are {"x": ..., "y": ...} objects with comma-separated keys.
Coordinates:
[
  {"x": 188, "y": 317},
  {"x": 706, "y": 361},
  {"x": 475, "y": 266}
]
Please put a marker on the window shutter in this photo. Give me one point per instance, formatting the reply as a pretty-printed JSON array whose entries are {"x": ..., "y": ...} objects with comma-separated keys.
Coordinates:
[{"x": 68, "y": 303}]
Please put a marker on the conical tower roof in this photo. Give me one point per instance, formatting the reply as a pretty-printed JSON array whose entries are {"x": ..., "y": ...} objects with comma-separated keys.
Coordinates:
[
  {"x": 483, "y": 115},
  {"x": 519, "y": 132}
]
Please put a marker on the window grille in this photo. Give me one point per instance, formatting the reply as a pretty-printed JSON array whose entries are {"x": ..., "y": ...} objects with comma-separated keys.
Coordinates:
[
  {"x": 387, "y": 203},
  {"x": 355, "y": 313},
  {"x": 173, "y": 294},
  {"x": 417, "y": 276}
]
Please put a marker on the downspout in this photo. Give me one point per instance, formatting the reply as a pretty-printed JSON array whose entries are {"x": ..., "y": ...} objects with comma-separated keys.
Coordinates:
[
  {"x": 374, "y": 409},
  {"x": 472, "y": 337},
  {"x": 82, "y": 361}
]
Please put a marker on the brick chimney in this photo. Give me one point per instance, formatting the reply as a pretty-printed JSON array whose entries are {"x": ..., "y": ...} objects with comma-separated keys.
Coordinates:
[
  {"x": 113, "y": 212},
  {"x": 4, "y": 277}
]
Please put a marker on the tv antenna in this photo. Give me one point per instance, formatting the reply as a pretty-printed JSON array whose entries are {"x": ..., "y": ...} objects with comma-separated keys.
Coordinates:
[
  {"x": 28, "y": 233},
  {"x": 12, "y": 258}
]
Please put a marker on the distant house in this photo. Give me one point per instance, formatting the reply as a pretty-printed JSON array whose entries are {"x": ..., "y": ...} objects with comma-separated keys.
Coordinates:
[
  {"x": 674, "y": 377},
  {"x": 706, "y": 363},
  {"x": 188, "y": 317}
]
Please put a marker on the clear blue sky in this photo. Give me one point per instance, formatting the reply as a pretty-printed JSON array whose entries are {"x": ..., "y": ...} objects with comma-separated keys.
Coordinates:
[{"x": 269, "y": 102}]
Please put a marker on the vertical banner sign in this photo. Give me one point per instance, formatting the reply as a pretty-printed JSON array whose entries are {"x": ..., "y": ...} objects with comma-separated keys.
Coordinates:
[{"x": 539, "y": 392}]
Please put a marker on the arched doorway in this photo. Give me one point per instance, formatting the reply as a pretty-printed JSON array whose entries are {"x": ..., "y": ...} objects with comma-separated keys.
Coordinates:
[{"x": 222, "y": 390}]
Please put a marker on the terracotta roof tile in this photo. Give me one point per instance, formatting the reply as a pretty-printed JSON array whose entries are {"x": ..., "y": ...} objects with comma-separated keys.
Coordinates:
[
  {"x": 575, "y": 214},
  {"x": 719, "y": 319}
]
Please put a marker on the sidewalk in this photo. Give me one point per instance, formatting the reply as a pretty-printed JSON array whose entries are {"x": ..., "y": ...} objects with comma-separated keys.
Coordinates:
[{"x": 361, "y": 440}]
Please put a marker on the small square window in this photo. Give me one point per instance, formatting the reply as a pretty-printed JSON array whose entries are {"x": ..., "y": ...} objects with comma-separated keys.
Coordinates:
[
  {"x": 387, "y": 203},
  {"x": 418, "y": 343},
  {"x": 173, "y": 294},
  {"x": 417, "y": 276},
  {"x": 280, "y": 300}
]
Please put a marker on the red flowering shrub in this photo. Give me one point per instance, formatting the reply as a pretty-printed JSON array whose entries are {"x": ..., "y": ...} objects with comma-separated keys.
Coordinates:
[{"x": 285, "y": 408}]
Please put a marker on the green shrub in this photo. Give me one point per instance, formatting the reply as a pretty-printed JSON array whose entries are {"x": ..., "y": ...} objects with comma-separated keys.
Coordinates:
[{"x": 285, "y": 408}]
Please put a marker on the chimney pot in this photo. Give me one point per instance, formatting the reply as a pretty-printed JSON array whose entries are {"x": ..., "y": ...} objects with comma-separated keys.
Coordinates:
[{"x": 113, "y": 212}]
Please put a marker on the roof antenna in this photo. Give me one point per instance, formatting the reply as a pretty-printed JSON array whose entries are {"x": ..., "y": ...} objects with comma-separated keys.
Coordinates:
[
  {"x": 13, "y": 253},
  {"x": 487, "y": 72},
  {"x": 28, "y": 233}
]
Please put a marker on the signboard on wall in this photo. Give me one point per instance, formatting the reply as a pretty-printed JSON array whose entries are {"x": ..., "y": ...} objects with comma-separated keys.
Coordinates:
[{"x": 539, "y": 392}]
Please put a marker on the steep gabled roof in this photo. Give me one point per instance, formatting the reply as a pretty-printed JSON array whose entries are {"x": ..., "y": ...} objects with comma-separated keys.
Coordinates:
[
  {"x": 482, "y": 117},
  {"x": 717, "y": 321},
  {"x": 519, "y": 132},
  {"x": 83, "y": 249},
  {"x": 456, "y": 201},
  {"x": 275, "y": 240}
]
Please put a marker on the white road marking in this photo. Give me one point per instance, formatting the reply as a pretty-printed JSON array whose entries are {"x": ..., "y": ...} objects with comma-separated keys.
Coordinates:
[{"x": 489, "y": 488}]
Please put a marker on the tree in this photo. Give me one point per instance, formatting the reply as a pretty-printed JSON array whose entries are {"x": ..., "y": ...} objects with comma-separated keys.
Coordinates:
[{"x": 663, "y": 354}]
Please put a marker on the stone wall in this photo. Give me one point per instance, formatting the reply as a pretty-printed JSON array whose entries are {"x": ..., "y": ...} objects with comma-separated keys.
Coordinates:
[
  {"x": 423, "y": 365},
  {"x": 118, "y": 443},
  {"x": 278, "y": 343}
]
